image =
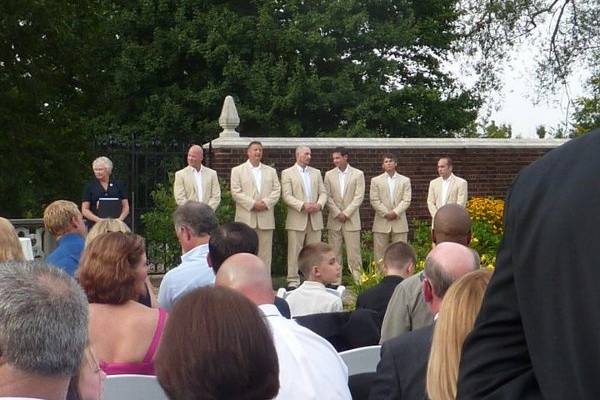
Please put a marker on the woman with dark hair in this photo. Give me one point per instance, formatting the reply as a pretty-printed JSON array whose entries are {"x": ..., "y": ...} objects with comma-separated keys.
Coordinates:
[
  {"x": 124, "y": 333},
  {"x": 217, "y": 346}
]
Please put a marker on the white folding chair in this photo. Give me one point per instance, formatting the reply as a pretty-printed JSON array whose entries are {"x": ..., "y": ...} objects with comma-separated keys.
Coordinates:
[
  {"x": 132, "y": 387},
  {"x": 362, "y": 359}
]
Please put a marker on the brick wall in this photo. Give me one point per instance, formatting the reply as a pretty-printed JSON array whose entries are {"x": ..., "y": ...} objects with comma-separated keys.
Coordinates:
[{"x": 489, "y": 166}]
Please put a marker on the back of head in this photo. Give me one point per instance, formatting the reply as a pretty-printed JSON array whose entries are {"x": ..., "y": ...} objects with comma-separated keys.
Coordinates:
[
  {"x": 456, "y": 319},
  {"x": 43, "y": 319},
  {"x": 229, "y": 239},
  {"x": 107, "y": 272},
  {"x": 398, "y": 258},
  {"x": 216, "y": 345},
  {"x": 104, "y": 226},
  {"x": 58, "y": 216},
  {"x": 247, "y": 274},
  {"x": 452, "y": 224},
  {"x": 10, "y": 247},
  {"x": 446, "y": 263},
  {"x": 198, "y": 217},
  {"x": 311, "y": 255}
]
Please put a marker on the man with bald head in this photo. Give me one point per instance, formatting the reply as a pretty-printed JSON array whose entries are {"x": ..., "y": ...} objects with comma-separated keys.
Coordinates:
[
  {"x": 407, "y": 309},
  {"x": 196, "y": 181},
  {"x": 304, "y": 193},
  {"x": 402, "y": 369},
  {"x": 309, "y": 366}
]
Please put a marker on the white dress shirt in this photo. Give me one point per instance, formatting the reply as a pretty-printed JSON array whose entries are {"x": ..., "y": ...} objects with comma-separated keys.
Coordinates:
[
  {"x": 192, "y": 273},
  {"x": 445, "y": 187},
  {"x": 343, "y": 177},
  {"x": 198, "y": 179},
  {"x": 309, "y": 366},
  {"x": 257, "y": 173},
  {"x": 312, "y": 298},
  {"x": 391, "y": 181},
  {"x": 306, "y": 181}
]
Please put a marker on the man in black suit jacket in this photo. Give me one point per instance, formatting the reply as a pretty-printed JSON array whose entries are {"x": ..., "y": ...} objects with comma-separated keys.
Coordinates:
[
  {"x": 536, "y": 335},
  {"x": 398, "y": 263},
  {"x": 403, "y": 366}
]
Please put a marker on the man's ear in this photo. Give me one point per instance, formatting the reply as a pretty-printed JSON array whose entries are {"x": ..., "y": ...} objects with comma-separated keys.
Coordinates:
[
  {"x": 411, "y": 268},
  {"x": 315, "y": 271},
  {"x": 427, "y": 291},
  {"x": 433, "y": 236},
  {"x": 469, "y": 238}
]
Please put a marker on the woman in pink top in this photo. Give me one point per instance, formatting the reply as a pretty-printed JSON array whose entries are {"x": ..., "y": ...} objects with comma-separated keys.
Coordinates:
[{"x": 124, "y": 333}]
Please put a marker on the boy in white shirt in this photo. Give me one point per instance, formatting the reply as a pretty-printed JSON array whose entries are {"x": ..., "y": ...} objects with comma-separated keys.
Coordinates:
[{"x": 318, "y": 264}]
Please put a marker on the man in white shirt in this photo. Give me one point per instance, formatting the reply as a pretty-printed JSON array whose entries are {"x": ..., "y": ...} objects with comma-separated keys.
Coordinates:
[
  {"x": 255, "y": 189},
  {"x": 194, "y": 221},
  {"x": 345, "y": 187},
  {"x": 309, "y": 366},
  {"x": 446, "y": 189},
  {"x": 196, "y": 181},
  {"x": 304, "y": 194},
  {"x": 390, "y": 197}
]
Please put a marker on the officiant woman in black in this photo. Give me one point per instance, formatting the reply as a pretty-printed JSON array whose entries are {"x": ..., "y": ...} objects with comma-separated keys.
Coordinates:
[{"x": 103, "y": 187}]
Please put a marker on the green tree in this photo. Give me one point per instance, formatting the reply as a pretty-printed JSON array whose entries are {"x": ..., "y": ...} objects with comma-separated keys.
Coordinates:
[
  {"x": 493, "y": 131},
  {"x": 49, "y": 72},
  {"x": 540, "y": 131},
  {"x": 299, "y": 68}
]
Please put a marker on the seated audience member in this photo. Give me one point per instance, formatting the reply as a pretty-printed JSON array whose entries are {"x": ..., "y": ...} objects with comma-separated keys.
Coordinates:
[
  {"x": 319, "y": 266},
  {"x": 86, "y": 384},
  {"x": 403, "y": 366},
  {"x": 116, "y": 225},
  {"x": 43, "y": 330},
  {"x": 64, "y": 220},
  {"x": 194, "y": 222},
  {"x": 123, "y": 332},
  {"x": 398, "y": 264},
  {"x": 457, "y": 315},
  {"x": 309, "y": 367},
  {"x": 217, "y": 346},
  {"x": 10, "y": 247},
  {"x": 233, "y": 238},
  {"x": 406, "y": 309}
]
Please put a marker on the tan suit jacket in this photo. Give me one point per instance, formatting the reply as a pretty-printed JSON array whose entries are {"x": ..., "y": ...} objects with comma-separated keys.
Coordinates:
[
  {"x": 184, "y": 188},
  {"x": 245, "y": 194},
  {"x": 382, "y": 203},
  {"x": 457, "y": 193},
  {"x": 348, "y": 202},
  {"x": 292, "y": 192}
]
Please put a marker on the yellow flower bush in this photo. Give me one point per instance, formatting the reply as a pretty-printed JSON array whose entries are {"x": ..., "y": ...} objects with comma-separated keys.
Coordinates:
[{"x": 487, "y": 227}]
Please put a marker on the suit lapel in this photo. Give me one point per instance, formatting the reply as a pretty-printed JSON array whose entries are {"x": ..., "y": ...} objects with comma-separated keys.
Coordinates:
[
  {"x": 192, "y": 179},
  {"x": 250, "y": 175},
  {"x": 299, "y": 177}
]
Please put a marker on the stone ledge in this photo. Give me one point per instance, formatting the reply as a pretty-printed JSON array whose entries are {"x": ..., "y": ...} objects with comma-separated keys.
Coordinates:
[{"x": 385, "y": 143}]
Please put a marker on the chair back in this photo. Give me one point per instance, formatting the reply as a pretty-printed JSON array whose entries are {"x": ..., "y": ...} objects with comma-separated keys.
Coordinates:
[
  {"x": 132, "y": 387},
  {"x": 362, "y": 359}
]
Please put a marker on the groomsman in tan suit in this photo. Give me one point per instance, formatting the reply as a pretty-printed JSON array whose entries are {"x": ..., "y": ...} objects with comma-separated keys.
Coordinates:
[
  {"x": 390, "y": 197},
  {"x": 345, "y": 187},
  {"x": 197, "y": 182},
  {"x": 446, "y": 189},
  {"x": 304, "y": 194},
  {"x": 255, "y": 189}
]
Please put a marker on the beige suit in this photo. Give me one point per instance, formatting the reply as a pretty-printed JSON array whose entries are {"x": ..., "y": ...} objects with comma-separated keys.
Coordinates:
[
  {"x": 303, "y": 228},
  {"x": 245, "y": 193},
  {"x": 184, "y": 188},
  {"x": 457, "y": 193},
  {"x": 348, "y": 203},
  {"x": 382, "y": 203}
]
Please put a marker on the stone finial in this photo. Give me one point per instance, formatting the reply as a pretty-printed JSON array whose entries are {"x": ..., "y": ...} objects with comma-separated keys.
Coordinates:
[{"x": 229, "y": 119}]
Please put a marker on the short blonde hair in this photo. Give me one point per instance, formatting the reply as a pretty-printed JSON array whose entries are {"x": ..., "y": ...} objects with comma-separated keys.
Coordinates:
[
  {"x": 58, "y": 216},
  {"x": 106, "y": 225},
  {"x": 104, "y": 160},
  {"x": 456, "y": 318},
  {"x": 311, "y": 255},
  {"x": 10, "y": 247}
]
